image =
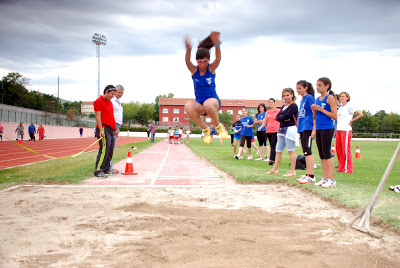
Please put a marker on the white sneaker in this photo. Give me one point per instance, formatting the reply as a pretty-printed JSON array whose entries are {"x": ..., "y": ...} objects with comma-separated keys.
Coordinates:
[
  {"x": 249, "y": 157},
  {"x": 329, "y": 183},
  {"x": 258, "y": 152},
  {"x": 237, "y": 156},
  {"x": 258, "y": 159},
  {"x": 266, "y": 159},
  {"x": 301, "y": 178},
  {"x": 322, "y": 181},
  {"x": 308, "y": 179}
]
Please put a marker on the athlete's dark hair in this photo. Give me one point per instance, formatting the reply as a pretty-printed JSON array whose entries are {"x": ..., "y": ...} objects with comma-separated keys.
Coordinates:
[
  {"x": 272, "y": 99},
  {"x": 258, "y": 108},
  {"x": 305, "y": 84},
  {"x": 108, "y": 89},
  {"x": 203, "y": 49},
  {"x": 326, "y": 82},
  {"x": 291, "y": 91}
]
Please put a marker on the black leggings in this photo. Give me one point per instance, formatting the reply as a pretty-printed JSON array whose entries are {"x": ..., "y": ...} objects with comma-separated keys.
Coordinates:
[
  {"x": 273, "y": 138},
  {"x": 246, "y": 139}
]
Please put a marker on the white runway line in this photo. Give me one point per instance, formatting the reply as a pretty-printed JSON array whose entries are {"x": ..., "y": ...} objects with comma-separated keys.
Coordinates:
[
  {"x": 296, "y": 194},
  {"x": 161, "y": 166}
]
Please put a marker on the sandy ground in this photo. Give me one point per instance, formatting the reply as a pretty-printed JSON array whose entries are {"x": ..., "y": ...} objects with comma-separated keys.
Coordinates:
[{"x": 216, "y": 226}]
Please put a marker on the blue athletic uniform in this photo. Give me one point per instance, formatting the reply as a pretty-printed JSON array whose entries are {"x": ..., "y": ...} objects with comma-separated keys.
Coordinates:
[
  {"x": 323, "y": 121},
  {"x": 247, "y": 131},
  {"x": 261, "y": 116},
  {"x": 306, "y": 121},
  {"x": 204, "y": 85},
  {"x": 237, "y": 125}
]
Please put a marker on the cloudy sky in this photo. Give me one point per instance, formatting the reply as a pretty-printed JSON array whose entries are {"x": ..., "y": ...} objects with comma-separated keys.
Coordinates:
[{"x": 267, "y": 45}]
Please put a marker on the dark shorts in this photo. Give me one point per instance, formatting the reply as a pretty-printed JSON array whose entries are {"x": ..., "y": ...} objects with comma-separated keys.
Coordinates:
[
  {"x": 246, "y": 139},
  {"x": 306, "y": 142},
  {"x": 262, "y": 138},
  {"x": 219, "y": 101},
  {"x": 324, "y": 142}
]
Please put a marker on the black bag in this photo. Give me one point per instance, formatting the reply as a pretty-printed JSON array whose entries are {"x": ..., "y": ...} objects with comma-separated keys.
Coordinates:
[{"x": 301, "y": 162}]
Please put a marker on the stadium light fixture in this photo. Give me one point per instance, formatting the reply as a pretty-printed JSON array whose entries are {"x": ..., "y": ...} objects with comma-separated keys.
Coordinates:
[{"x": 98, "y": 40}]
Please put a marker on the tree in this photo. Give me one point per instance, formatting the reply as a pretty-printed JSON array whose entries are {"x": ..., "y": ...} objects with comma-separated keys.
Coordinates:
[
  {"x": 156, "y": 115},
  {"x": 142, "y": 116},
  {"x": 226, "y": 118}
]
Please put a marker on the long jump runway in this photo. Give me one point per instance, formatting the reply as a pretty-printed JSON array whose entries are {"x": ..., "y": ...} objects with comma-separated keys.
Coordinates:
[{"x": 164, "y": 164}]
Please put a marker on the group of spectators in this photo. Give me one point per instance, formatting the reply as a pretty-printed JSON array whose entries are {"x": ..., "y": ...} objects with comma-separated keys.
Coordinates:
[
  {"x": 20, "y": 131},
  {"x": 284, "y": 127}
]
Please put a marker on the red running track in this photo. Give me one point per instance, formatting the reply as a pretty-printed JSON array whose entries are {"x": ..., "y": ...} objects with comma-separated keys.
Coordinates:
[{"x": 12, "y": 155}]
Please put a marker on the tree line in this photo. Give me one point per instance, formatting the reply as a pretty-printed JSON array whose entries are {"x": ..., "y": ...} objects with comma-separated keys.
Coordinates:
[{"x": 14, "y": 92}]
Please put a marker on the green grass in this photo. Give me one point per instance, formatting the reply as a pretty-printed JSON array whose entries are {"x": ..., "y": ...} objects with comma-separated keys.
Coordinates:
[
  {"x": 352, "y": 190},
  {"x": 63, "y": 171}
]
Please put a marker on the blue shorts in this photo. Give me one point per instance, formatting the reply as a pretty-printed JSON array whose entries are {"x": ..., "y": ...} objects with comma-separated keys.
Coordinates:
[
  {"x": 219, "y": 101},
  {"x": 284, "y": 142}
]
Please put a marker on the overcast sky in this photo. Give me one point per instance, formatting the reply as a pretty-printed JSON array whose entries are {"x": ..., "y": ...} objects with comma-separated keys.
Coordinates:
[{"x": 267, "y": 45}]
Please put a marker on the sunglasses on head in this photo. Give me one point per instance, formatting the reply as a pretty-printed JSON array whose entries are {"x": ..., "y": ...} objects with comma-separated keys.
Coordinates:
[{"x": 111, "y": 89}]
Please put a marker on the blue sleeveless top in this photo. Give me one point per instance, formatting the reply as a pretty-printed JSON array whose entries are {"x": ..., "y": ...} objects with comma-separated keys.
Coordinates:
[
  {"x": 321, "y": 120},
  {"x": 261, "y": 116},
  {"x": 204, "y": 86}
]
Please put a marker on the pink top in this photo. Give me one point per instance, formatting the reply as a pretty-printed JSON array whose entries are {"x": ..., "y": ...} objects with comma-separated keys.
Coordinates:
[{"x": 272, "y": 124}]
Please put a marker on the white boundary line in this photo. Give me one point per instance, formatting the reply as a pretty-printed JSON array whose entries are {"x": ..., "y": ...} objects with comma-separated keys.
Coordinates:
[{"x": 161, "y": 166}]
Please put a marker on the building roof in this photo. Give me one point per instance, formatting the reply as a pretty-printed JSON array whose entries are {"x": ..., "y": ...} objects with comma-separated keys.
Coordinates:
[
  {"x": 224, "y": 102},
  {"x": 87, "y": 102}
]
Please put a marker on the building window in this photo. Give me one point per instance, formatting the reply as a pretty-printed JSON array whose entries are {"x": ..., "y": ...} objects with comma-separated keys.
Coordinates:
[
  {"x": 240, "y": 112},
  {"x": 165, "y": 110},
  {"x": 165, "y": 119},
  {"x": 230, "y": 111},
  {"x": 208, "y": 120},
  {"x": 176, "y": 119},
  {"x": 176, "y": 111}
]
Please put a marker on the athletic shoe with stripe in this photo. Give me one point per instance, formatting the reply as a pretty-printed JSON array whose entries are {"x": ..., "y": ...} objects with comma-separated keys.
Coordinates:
[
  {"x": 207, "y": 136},
  {"x": 249, "y": 157},
  {"x": 322, "y": 181},
  {"x": 258, "y": 159},
  {"x": 307, "y": 179},
  {"x": 329, "y": 183},
  {"x": 301, "y": 178}
]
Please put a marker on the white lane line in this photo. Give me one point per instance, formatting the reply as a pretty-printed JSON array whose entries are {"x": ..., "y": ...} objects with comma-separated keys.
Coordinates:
[{"x": 161, "y": 166}]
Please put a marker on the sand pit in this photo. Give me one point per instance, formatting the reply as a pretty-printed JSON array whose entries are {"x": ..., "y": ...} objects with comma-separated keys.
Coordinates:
[{"x": 226, "y": 226}]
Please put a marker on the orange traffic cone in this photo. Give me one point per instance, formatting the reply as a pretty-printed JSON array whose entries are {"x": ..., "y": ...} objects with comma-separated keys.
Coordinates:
[
  {"x": 358, "y": 154},
  {"x": 129, "y": 166},
  {"x": 19, "y": 139},
  {"x": 333, "y": 149}
]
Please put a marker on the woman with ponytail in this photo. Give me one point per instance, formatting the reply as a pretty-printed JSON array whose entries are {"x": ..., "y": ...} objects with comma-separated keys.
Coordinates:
[
  {"x": 207, "y": 101},
  {"x": 306, "y": 127},
  {"x": 325, "y": 111}
]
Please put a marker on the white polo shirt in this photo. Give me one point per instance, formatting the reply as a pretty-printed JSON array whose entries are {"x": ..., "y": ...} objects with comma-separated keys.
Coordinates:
[
  {"x": 118, "y": 110},
  {"x": 344, "y": 115}
]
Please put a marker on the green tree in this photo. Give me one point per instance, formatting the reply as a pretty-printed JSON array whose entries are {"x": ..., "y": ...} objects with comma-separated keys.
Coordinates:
[
  {"x": 226, "y": 119},
  {"x": 392, "y": 122},
  {"x": 130, "y": 111},
  {"x": 142, "y": 116},
  {"x": 156, "y": 115}
]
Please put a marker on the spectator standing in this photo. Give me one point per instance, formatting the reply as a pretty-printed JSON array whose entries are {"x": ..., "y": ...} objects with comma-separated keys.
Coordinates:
[
  {"x": 20, "y": 131},
  {"x": 272, "y": 128},
  {"x": 237, "y": 128},
  {"x": 41, "y": 132},
  {"x": 118, "y": 115},
  {"x": 32, "y": 132},
  {"x": 1, "y": 132},
  {"x": 80, "y": 132},
  {"x": 153, "y": 131},
  {"x": 105, "y": 129},
  {"x": 261, "y": 134},
  {"x": 287, "y": 134},
  {"x": 344, "y": 132},
  {"x": 246, "y": 134}
]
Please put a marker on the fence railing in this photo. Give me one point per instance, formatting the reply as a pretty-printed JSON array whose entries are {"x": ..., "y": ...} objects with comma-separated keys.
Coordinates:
[{"x": 9, "y": 113}]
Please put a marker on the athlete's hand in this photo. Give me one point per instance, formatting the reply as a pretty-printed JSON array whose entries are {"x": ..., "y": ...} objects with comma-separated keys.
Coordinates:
[
  {"x": 101, "y": 133},
  {"x": 315, "y": 107},
  {"x": 188, "y": 42},
  {"x": 313, "y": 134},
  {"x": 214, "y": 36}
]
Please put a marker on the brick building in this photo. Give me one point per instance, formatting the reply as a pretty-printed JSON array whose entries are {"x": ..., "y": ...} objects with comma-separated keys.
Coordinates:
[
  {"x": 172, "y": 111},
  {"x": 87, "y": 107}
]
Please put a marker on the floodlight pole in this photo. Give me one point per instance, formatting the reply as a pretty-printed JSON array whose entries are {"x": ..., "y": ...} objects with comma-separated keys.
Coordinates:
[{"x": 98, "y": 39}]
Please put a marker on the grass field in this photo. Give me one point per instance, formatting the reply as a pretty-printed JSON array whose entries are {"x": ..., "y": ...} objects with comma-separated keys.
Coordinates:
[{"x": 352, "y": 190}]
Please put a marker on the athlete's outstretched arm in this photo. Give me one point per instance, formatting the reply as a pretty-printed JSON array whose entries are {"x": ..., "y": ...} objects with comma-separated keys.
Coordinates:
[
  {"x": 215, "y": 39},
  {"x": 189, "y": 64}
]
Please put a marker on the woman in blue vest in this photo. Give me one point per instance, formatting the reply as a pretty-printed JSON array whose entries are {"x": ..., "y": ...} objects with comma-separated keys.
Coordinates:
[
  {"x": 207, "y": 101},
  {"x": 325, "y": 111},
  {"x": 261, "y": 132}
]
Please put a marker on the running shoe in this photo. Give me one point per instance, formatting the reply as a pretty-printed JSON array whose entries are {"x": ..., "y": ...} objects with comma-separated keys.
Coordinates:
[
  {"x": 266, "y": 159},
  {"x": 301, "y": 178},
  {"x": 100, "y": 174},
  {"x": 258, "y": 159},
  {"x": 222, "y": 131},
  {"x": 249, "y": 157},
  {"x": 329, "y": 183},
  {"x": 207, "y": 136},
  {"x": 307, "y": 179},
  {"x": 397, "y": 189},
  {"x": 238, "y": 157},
  {"x": 322, "y": 181}
]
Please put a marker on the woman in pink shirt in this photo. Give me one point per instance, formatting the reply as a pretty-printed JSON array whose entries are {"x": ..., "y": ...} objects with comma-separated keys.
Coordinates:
[{"x": 272, "y": 128}]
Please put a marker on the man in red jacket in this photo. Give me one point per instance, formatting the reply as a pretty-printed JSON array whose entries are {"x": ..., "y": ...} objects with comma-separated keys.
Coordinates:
[{"x": 103, "y": 110}]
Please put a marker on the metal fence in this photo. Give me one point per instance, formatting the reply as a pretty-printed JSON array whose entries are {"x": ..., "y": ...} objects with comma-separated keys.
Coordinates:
[{"x": 10, "y": 113}]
